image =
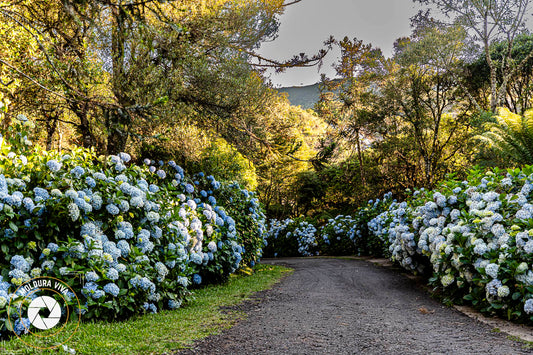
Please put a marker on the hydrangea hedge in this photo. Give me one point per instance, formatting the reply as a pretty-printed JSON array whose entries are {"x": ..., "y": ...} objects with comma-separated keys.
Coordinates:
[
  {"x": 130, "y": 238},
  {"x": 290, "y": 237},
  {"x": 473, "y": 239},
  {"x": 342, "y": 235}
]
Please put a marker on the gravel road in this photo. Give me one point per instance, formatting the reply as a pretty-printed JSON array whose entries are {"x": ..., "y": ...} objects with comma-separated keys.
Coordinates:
[{"x": 334, "y": 306}]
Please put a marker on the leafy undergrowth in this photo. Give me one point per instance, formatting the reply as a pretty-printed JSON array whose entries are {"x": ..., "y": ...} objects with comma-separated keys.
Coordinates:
[{"x": 168, "y": 330}]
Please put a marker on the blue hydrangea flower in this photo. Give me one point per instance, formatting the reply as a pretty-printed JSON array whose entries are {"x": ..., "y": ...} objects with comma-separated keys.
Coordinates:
[
  {"x": 112, "y": 209},
  {"x": 124, "y": 206},
  {"x": 21, "y": 326},
  {"x": 493, "y": 286},
  {"x": 90, "y": 182},
  {"x": 212, "y": 246},
  {"x": 72, "y": 194},
  {"x": 20, "y": 263},
  {"x": 191, "y": 204},
  {"x": 157, "y": 232},
  {"x": 28, "y": 204},
  {"x": 150, "y": 307},
  {"x": 89, "y": 289},
  {"x": 112, "y": 274},
  {"x": 528, "y": 306},
  {"x": 48, "y": 265},
  {"x": 120, "y": 167},
  {"x": 492, "y": 270},
  {"x": 112, "y": 289},
  {"x": 115, "y": 159},
  {"x": 182, "y": 280},
  {"x": 40, "y": 194},
  {"x": 196, "y": 279},
  {"x": 28, "y": 223},
  {"x": 153, "y": 217},
  {"x": 92, "y": 276},
  {"x": 77, "y": 172},
  {"x": 53, "y": 247},
  {"x": 54, "y": 165},
  {"x": 124, "y": 247},
  {"x": 137, "y": 202},
  {"x": 173, "y": 304},
  {"x": 196, "y": 258},
  {"x": 125, "y": 157},
  {"x": 98, "y": 294},
  {"x": 143, "y": 283},
  {"x": 96, "y": 201},
  {"x": 189, "y": 188}
]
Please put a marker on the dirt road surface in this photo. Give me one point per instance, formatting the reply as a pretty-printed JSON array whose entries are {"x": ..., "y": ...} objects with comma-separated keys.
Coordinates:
[{"x": 335, "y": 306}]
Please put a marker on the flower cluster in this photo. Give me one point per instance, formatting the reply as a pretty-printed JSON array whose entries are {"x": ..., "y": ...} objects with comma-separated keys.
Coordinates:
[
  {"x": 130, "y": 238},
  {"x": 338, "y": 236},
  {"x": 291, "y": 238}
]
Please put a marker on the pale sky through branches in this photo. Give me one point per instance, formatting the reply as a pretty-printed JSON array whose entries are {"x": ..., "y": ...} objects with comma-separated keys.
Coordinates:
[{"x": 307, "y": 24}]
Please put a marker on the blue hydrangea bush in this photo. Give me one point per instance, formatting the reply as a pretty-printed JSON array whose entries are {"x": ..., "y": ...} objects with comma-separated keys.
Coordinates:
[
  {"x": 250, "y": 220},
  {"x": 338, "y": 236},
  {"x": 129, "y": 238},
  {"x": 291, "y": 237},
  {"x": 474, "y": 238}
]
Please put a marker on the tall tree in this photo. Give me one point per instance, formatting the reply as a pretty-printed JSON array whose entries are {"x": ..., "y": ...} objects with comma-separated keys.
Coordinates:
[
  {"x": 519, "y": 91},
  {"x": 425, "y": 103},
  {"x": 347, "y": 102},
  {"x": 118, "y": 66},
  {"x": 489, "y": 21}
]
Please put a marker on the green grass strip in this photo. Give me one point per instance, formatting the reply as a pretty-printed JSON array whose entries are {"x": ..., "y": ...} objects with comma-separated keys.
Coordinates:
[{"x": 166, "y": 331}]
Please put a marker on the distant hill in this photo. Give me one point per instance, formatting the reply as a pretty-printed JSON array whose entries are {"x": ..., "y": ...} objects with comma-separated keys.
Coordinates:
[{"x": 304, "y": 96}]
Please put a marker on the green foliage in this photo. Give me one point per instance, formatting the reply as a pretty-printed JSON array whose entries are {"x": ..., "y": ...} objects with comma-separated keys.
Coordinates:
[
  {"x": 511, "y": 137},
  {"x": 222, "y": 160}
]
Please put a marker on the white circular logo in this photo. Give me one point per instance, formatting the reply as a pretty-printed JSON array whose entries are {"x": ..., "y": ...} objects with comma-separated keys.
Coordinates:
[{"x": 52, "y": 308}]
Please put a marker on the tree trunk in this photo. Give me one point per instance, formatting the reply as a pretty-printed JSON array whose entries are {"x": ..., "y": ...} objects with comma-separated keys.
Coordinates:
[
  {"x": 51, "y": 125},
  {"x": 81, "y": 110},
  {"x": 360, "y": 158},
  {"x": 116, "y": 136}
]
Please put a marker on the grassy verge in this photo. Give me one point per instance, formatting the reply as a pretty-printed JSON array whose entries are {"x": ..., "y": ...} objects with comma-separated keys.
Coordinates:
[{"x": 169, "y": 330}]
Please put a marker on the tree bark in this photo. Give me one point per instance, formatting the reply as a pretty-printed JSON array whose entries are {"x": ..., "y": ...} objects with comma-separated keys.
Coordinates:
[{"x": 360, "y": 158}]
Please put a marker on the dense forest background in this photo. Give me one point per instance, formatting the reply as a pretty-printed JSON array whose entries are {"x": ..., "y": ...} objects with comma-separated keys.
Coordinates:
[{"x": 182, "y": 81}]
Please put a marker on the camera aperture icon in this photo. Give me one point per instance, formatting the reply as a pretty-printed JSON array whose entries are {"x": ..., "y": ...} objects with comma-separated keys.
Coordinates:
[{"x": 42, "y": 306}]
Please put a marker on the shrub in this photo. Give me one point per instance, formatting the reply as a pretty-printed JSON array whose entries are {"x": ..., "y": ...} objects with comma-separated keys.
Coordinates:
[
  {"x": 130, "y": 238},
  {"x": 291, "y": 237},
  {"x": 475, "y": 237},
  {"x": 337, "y": 237}
]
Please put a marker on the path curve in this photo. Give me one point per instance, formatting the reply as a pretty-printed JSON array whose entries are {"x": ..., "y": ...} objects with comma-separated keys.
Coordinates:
[{"x": 334, "y": 306}]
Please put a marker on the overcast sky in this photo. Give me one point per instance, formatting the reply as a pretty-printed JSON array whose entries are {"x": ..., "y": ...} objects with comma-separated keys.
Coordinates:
[{"x": 307, "y": 24}]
